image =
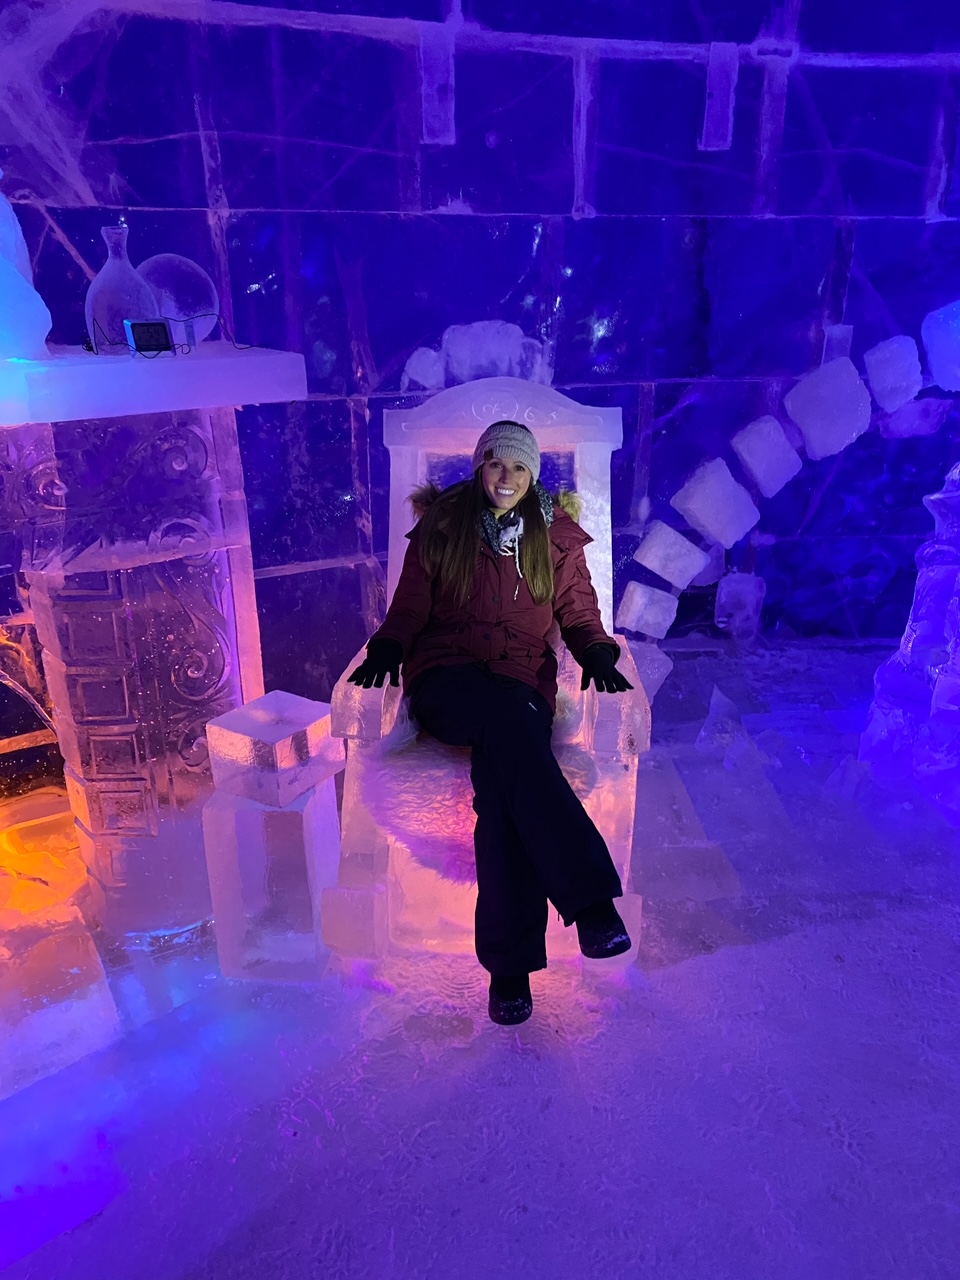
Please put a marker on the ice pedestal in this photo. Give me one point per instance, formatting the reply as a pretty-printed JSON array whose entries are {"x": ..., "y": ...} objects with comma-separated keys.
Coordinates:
[
  {"x": 133, "y": 538},
  {"x": 272, "y": 835}
]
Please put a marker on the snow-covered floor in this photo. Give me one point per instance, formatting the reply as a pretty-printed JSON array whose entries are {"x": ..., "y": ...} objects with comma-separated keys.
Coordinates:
[{"x": 771, "y": 1092}]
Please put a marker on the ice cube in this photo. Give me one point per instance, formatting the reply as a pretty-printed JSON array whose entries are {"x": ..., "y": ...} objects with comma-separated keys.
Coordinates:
[
  {"x": 268, "y": 868},
  {"x": 670, "y": 555},
  {"x": 767, "y": 454},
  {"x": 831, "y": 406},
  {"x": 941, "y": 339},
  {"x": 647, "y": 610},
  {"x": 893, "y": 371},
  {"x": 366, "y": 715},
  {"x": 739, "y": 603},
  {"x": 273, "y": 749},
  {"x": 714, "y": 504},
  {"x": 653, "y": 666},
  {"x": 917, "y": 418}
]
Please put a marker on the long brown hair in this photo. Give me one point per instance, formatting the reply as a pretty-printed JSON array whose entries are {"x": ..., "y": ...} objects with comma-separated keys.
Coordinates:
[{"x": 450, "y": 540}]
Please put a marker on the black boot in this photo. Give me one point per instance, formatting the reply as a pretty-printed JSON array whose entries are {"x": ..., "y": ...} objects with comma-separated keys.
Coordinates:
[
  {"x": 601, "y": 931},
  {"x": 510, "y": 999}
]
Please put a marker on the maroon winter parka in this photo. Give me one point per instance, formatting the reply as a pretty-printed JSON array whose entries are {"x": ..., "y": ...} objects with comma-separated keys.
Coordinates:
[{"x": 511, "y": 635}]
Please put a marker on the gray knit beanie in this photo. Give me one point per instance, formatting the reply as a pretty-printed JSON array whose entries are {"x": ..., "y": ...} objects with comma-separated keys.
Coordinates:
[{"x": 508, "y": 439}]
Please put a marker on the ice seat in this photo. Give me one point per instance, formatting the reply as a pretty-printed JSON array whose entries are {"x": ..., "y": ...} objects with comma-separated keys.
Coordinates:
[
  {"x": 406, "y": 878},
  {"x": 274, "y": 748}
]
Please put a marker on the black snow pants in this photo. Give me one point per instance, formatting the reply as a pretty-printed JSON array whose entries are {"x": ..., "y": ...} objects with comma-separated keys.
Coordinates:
[{"x": 534, "y": 840}]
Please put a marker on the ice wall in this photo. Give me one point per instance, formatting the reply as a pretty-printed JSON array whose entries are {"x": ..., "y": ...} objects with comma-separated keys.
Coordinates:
[{"x": 517, "y": 163}]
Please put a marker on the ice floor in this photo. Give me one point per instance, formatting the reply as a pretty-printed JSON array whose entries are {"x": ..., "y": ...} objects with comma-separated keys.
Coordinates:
[{"x": 770, "y": 1093}]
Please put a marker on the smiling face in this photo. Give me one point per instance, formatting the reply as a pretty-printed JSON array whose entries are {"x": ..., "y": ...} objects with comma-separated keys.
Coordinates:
[{"x": 505, "y": 482}]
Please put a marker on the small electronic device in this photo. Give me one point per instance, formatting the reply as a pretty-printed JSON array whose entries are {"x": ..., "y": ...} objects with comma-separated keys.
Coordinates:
[{"x": 149, "y": 337}]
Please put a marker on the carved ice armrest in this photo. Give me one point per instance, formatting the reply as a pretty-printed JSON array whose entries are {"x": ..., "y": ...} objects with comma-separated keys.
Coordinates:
[
  {"x": 618, "y": 724},
  {"x": 363, "y": 715}
]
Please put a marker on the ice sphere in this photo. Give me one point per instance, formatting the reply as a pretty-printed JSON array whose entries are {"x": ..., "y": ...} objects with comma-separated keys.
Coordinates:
[
  {"x": 670, "y": 555},
  {"x": 184, "y": 292},
  {"x": 647, "y": 610},
  {"x": 273, "y": 749},
  {"x": 268, "y": 868},
  {"x": 739, "y": 603},
  {"x": 917, "y": 418},
  {"x": 714, "y": 504},
  {"x": 653, "y": 666},
  {"x": 941, "y": 339},
  {"x": 831, "y": 406},
  {"x": 767, "y": 454},
  {"x": 893, "y": 372},
  {"x": 55, "y": 1004}
]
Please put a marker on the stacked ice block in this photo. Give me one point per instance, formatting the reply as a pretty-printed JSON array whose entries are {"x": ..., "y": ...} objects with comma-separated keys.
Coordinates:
[{"x": 272, "y": 835}]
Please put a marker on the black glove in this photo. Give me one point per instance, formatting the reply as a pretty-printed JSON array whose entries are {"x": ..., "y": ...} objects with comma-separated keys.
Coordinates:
[
  {"x": 600, "y": 665},
  {"x": 382, "y": 660}
]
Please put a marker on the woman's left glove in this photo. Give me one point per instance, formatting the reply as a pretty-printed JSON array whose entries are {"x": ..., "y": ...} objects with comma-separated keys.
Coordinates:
[
  {"x": 382, "y": 660},
  {"x": 600, "y": 665}
]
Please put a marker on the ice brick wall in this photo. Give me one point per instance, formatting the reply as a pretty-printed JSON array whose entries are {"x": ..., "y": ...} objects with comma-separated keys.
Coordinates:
[{"x": 360, "y": 176}]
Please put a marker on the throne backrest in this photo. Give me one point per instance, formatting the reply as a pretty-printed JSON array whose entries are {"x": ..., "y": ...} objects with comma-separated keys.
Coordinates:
[{"x": 576, "y": 442}]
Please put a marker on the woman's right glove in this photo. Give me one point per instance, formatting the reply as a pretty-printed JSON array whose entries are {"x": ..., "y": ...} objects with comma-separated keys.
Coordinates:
[
  {"x": 382, "y": 660},
  {"x": 600, "y": 665}
]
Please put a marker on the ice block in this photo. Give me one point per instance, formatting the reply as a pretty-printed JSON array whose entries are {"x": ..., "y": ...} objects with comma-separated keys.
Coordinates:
[
  {"x": 941, "y": 339},
  {"x": 831, "y": 406},
  {"x": 893, "y": 372},
  {"x": 647, "y": 610},
  {"x": 268, "y": 868},
  {"x": 767, "y": 454},
  {"x": 714, "y": 504},
  {"x": 670, "y": 555},
  {"x": 274, "y": 748}
]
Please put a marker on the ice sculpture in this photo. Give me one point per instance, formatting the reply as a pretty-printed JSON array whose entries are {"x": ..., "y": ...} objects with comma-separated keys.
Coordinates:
[
  {"x": 913, "y": 730},
  {"x": 766, "y": 453},
  {"x": 13, "y": 247},
  {"x": 893, "y": 372},
  {"x": 647, "y": 610},
  {"x": 739, "y": 604},
  {"x": 482, "y": 349},
  {"x": 133, "y": 538},
  {"x": 670, "y": 555},
  {"x": 406, "y": 876},
  {"x": 272, "y": 835},
  {"x": 918, "y": 418},
  {"x": 831, "y": 406},
  {"x": 941, "y": 339},
  {"x": 714, "y": 504},
  {"x": 116, "y": 293},
  {"x": 24, "y": 318},
  {"x": 185, "y": 295}
]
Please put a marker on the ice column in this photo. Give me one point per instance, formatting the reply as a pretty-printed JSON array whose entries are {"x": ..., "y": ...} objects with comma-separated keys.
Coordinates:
[
  {"x": 136, "y": 552},
  {"x": 272, "y": 835}
]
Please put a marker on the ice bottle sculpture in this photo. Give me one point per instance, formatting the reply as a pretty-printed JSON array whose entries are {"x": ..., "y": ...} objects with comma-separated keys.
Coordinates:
[{"x": 117, "y": 293}]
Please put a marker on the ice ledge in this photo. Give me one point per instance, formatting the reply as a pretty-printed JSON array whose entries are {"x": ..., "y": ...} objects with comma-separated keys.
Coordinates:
[{"x": 74, "y": 384}]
